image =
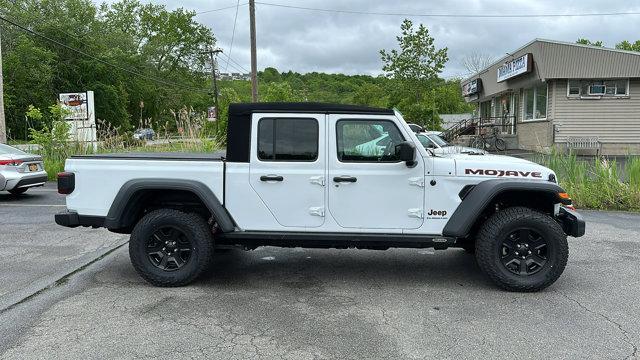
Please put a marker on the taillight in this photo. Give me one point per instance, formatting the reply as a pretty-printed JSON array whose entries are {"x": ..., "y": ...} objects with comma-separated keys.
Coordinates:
[
  {"x": 11, "y": 162},
  {"x": 66, "y": 182}
]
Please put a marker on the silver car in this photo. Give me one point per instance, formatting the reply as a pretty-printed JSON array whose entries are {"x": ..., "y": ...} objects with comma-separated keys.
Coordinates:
[{"x": 19, "y": 170}]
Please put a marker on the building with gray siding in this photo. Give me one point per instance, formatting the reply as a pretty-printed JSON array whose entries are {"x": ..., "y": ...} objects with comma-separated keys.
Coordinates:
[{"x": 550, "y": 93}]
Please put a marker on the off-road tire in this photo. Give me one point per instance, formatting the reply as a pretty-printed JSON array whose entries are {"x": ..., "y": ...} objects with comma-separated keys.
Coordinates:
[
  {"x": 499, "y": 226},
  {"x": 18, "y": 191},
  {"x": 193, "y": 226}
]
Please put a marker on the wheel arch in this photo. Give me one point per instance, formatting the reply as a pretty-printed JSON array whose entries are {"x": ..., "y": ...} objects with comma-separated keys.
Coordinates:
[
  {"x": 126, "y": 208},
  {"x": 479, "y": 200}
]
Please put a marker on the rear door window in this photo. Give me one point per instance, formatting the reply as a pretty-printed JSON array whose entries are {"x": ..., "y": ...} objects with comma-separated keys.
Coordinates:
[{"x": 287, "y": 139}]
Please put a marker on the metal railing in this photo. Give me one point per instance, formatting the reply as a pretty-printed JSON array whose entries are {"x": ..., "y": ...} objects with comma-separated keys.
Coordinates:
[{"x": 481, "y": 125}]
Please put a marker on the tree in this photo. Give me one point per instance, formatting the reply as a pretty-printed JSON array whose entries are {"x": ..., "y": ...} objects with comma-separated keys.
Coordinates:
[
  {"x": 418, "y": 60},
  {"x": 590, "y": 43},
  {"x": 149, "y": 40},
  {"x": 279, "y": 92},
  {"x": 476, "y": 62},
  {"x": 626, "y": 45},
  {"x": 414, "y": 73}
]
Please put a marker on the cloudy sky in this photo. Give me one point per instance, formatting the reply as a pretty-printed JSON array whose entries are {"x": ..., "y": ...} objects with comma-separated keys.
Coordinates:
[{"x": 304, "y": 40}]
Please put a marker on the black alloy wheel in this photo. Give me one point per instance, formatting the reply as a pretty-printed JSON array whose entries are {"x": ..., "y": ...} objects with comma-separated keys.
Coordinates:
[
  {"x": 169, "y": 249},
  {"x": 524, "y": 252}
]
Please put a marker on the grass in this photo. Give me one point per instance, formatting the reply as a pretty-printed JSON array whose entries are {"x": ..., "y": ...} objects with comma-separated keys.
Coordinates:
[{"x": 600, "y": 183}]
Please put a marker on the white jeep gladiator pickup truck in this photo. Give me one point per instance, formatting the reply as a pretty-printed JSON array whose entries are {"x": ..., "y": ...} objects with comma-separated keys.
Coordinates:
[{"x": 298, "y": 175}]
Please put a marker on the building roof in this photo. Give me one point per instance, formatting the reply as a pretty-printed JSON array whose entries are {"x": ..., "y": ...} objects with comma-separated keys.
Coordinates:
[
  {"x": 305, "y": 107},
  {"x": 561, "y": 59}
]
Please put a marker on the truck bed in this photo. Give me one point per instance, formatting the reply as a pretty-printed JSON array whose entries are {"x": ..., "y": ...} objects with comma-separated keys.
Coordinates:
[
  {"x": 99, "y": 177},
  {"x": 216, "y": 156}
]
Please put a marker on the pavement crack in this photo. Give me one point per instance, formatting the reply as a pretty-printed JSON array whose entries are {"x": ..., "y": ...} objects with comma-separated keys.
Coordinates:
[
  {"x": 62, "y": 280},
  {"x": 625, "y": 333}
]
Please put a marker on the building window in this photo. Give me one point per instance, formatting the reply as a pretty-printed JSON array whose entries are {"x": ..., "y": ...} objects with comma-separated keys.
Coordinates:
[
  {"x": 535, "y": 103},
  {"x": 288, "y": 139},
  {"x": 597, "y": 88},
  {"x": 574, "y": 87}
]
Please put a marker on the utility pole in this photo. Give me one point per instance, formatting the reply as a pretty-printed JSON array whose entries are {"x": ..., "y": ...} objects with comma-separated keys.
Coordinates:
[
  {"x": 213, "y": 53},
  {"x": 3, "y": 125},
  {"x": 254, "y": 60}
]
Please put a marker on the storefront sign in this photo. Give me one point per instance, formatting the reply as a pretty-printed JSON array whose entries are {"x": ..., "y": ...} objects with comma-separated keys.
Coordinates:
[
  {"x": 515, "y": 67},
  {"x": 472, "y": 87}
]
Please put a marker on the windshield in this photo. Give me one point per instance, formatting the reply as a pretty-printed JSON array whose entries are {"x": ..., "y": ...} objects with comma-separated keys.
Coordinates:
[
  {"x": 438, "y": 140},
  {"x": 426, "y": 142},
  {"x": 6, "y": 149}
]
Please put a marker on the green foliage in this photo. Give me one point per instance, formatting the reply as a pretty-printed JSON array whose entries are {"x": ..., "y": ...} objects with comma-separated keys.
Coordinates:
[
  {"x": 589, "y": 42},
  {"x": 147, "y": 39},
  {"x": 280, "y": 91},
  {"x": 598, "y": 184},
  {"x": 626, "y": 45},
  {"x": 623, "y": 45},
  {"x": 413, "y": 72},
  {"x": 418, "y": 60}
]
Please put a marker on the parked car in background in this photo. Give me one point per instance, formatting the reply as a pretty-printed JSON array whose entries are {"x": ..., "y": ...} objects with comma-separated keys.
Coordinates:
[
  {"x": 144, "y": 134},
  {"x": 433, "y": 141},
  {"x": 19, "y": 170}
]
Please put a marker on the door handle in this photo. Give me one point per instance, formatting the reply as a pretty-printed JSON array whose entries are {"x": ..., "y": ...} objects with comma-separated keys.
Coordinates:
[
  {"x": 271, "y": 178},
  {"x": 350, "y": 179}
]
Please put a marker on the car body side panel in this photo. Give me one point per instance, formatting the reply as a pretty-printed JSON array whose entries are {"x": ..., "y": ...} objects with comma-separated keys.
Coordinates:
[{"x": 98, "y": 181}]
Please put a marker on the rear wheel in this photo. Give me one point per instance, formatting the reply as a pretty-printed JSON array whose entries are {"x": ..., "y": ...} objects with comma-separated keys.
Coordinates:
[
  {"x": 521, "y": 249},
  {"x": 500, "y": 144},
  {"x": 18, "y": 191},
  {"x": 171, "y": 248}
]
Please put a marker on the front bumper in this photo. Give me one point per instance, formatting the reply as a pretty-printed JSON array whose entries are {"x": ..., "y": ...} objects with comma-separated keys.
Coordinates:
[
  {"x": 572, "y": 223},
  {"x": 72, "y": 219}
]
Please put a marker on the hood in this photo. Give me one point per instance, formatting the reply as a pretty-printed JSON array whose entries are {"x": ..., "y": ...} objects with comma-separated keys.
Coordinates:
[
  {"x": 454, "y": 149},
  {"x": 499, "y": 166}
]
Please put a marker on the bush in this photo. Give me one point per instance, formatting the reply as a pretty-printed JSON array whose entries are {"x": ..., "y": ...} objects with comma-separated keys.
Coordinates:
[{"x": 598, "y": 184}]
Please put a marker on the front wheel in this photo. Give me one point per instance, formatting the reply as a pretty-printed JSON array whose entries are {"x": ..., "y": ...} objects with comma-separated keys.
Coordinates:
[
  {"x": 171, "y": 248},
  {"x": 521, "y": 249},
  {"x": 500, "y": 144}
]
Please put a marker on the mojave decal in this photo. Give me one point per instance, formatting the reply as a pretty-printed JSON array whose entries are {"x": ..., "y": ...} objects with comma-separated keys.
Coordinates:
[{"x": 502, "y": 173}]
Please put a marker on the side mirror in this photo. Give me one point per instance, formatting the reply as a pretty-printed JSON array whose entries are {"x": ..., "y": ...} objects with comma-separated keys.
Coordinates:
[{"x": 406, "y": 151}]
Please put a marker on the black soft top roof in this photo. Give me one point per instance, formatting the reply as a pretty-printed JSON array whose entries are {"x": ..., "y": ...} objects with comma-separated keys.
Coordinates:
[
  {"x": 306, "y": 107},
  {"x": 239, "y": 126}
]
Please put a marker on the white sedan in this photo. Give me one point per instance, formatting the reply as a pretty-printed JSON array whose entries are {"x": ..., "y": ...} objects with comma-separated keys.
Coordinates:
[
  {"x": 432, "y": 140},
  {"x": 19, "y": 170}
]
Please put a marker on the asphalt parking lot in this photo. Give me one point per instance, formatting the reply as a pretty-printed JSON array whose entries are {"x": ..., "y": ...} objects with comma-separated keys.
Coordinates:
[{"x": 72, "y": 294}]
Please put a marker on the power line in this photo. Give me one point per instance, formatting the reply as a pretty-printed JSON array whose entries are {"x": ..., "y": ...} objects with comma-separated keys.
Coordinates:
[
  {"x": 233, "y": 67},
  {"x": 233, "y": 34},
  {"x": 222, "y": 8},
  {"x": 238, "y": 65},
  {"x": 160, "y": 81},
  {"x": 358, "y": 12}
]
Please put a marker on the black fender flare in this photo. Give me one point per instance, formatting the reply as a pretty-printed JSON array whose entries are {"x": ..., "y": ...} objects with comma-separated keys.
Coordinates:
[
  {"x": 117, "y": 218},
  {"x": 478, "y": 198}
]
